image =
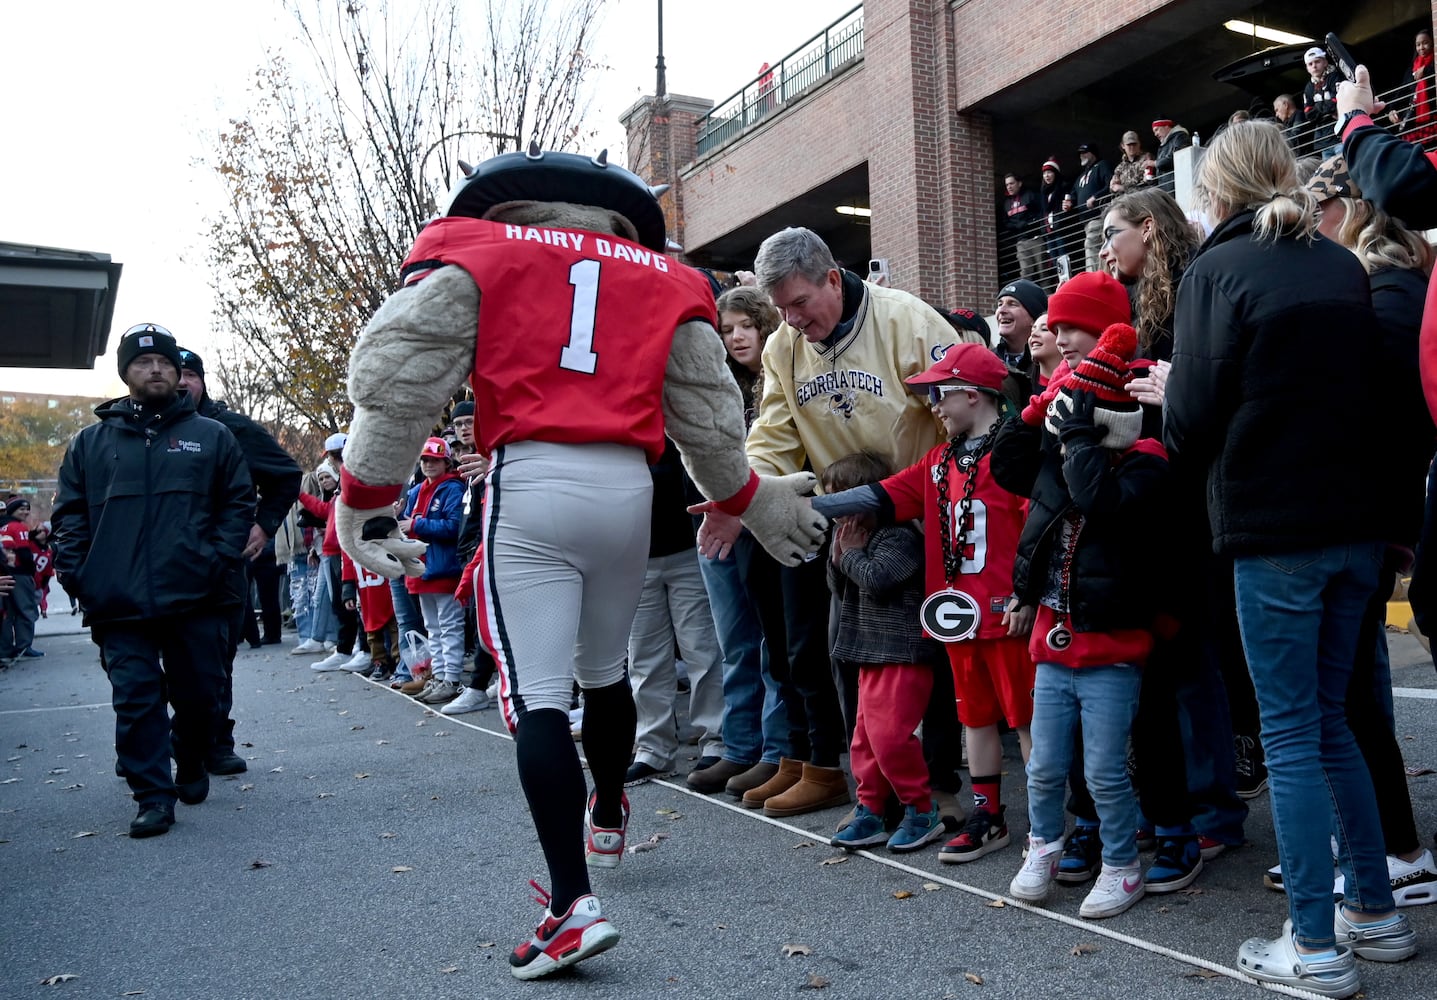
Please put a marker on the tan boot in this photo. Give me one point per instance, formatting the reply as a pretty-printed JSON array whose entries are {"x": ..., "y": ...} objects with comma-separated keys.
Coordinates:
[
  {"x": 820, "y": 788},
  {"x": 740, "y": 784},
  {"x": 789, "y": 773}
]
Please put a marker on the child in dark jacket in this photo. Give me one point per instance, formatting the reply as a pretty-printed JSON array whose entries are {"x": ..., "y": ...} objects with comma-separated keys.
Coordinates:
[
  {"x": 1092, "y": 482},
  {"x": 877, "y": 573}
]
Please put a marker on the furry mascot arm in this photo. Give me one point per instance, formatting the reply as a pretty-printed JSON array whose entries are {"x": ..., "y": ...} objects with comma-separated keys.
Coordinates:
[
  {"x": 703, "y": 415},
  {"x": 411, "y": 357}
]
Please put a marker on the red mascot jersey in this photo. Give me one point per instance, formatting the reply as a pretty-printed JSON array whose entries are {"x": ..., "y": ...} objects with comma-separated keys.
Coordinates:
[
  {"x": 574, "y": 330},
  {"x": 995, "y": 520}
]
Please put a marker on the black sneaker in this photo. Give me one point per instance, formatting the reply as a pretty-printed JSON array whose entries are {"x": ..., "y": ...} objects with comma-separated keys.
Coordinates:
[
  {"x": 153, "y": 819},
  {"x": 1250, "y": 767},
  {"x": 1082, "y": 855},
  {"x": 1178, "y": 862},
  {"x": 225, "y": 762},
  {"x": 640, "y": 772},
  {"x": 192, "y": 783},
  {"x": 983, "y": 834}
]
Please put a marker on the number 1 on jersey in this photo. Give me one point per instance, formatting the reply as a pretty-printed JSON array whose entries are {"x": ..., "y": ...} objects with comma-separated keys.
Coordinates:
[{"x": 578, "y": 354}]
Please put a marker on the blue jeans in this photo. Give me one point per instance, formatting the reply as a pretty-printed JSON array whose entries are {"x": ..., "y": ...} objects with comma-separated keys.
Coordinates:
[
  {"x": 1300, "y": 614},
  {"x": 755, "y": 719},
  {"x": 1102, "y": 701},
  {"x": 301, "y": 594},
  {"x": 1207, "y": 737},
  {"x": 323, "y": 622}
]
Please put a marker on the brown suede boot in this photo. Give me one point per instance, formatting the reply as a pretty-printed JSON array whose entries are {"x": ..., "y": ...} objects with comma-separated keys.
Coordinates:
[
  {"x": 741, "y": 784},
  {"x": 716, "y": 776},
  {"x": 820, "y": 788},
  {"x": 789, "y": 773}
]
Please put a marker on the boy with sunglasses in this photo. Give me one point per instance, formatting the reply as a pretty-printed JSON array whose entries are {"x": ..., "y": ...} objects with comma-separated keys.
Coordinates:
[{"x": 971, "y": 527}]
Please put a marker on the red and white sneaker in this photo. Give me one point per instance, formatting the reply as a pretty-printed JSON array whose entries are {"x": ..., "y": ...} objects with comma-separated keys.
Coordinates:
[
  {"x": 573, "y": 936},
  {"x": 604, "y": 848}
]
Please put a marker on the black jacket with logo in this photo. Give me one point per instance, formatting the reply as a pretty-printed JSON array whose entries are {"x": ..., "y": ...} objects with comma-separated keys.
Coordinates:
[{"x": 152, "y": 514}]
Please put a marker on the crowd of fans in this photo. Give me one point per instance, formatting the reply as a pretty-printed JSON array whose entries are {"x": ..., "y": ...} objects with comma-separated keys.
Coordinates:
[{"x": 1049, "y": 234}]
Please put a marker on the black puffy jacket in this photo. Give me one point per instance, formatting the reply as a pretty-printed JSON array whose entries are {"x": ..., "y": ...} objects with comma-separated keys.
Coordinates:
[
  {"x": 152, "y": 514},
  {"x": 1113, "y": 583}
]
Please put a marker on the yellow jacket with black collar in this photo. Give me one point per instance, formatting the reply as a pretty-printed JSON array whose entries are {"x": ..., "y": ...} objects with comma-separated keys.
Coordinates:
[{"x": 824, "y": 401}]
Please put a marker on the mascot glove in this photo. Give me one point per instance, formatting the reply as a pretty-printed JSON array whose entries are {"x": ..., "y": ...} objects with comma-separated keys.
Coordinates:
[
  {"x": 392, "y": 555},
  {"x": 782, "y": 521}
]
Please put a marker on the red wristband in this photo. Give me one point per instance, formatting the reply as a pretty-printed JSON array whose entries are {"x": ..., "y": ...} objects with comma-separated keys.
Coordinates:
[
  {"x": 361, "y": 496},
  {"x": 735, "y": 505}
]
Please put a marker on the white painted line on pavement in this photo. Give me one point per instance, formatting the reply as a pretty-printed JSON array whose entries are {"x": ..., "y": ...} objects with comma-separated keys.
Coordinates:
[
  {"x": 1427, "y": 694},
  {"x": 53, "y": 708},
  {"x": 1088, "y": 926}
]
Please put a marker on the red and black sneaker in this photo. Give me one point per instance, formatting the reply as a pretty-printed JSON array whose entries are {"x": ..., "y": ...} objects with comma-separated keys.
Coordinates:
[
  {"x": 604, "y": 848},
  {"x": 578, "y": 933}
]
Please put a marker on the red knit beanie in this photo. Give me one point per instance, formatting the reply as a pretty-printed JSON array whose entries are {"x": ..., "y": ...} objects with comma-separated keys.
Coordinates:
[
  {"x": 1091, "y": 301},
  {"x": 1104, "y": 373}
]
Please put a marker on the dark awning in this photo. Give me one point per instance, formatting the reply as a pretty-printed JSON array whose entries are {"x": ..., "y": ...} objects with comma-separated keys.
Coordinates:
[{"x": 55, "y": 306}]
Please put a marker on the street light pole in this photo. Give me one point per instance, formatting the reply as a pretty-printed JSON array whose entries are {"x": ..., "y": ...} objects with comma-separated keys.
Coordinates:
[{"x": 661, "y": 86}]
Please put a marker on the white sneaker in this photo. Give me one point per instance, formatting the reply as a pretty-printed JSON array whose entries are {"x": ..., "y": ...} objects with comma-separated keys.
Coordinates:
[
  {"x": 576, "y": 722},
  {"x": 334, "y": 661},
  {"x": 1116, "y": 890},
  {"x": 359, "y": 661},
  {"x": 472, "y": 700},
  {"x": 1414, "y": 883},
  {"x": 1039, "y": 868},
  {"x": 308, "y": 646},
  {"x": 493, "y": 691}
]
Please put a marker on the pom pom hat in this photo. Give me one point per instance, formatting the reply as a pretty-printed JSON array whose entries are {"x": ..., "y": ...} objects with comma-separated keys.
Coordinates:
[{"x": 1104, "y": 373}]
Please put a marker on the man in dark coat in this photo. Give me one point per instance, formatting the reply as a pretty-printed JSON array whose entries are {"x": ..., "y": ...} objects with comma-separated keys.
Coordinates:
[
  {"x": 276, "y": 479},
  {"x": 151, "y": 519}
]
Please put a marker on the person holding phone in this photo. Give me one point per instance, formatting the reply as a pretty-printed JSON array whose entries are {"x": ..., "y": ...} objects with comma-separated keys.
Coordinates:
[{"x": 1319, "y": 100}]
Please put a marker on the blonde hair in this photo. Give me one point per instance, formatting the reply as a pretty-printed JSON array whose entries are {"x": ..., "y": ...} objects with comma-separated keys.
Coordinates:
[
  {"x": 1380, "y": 241},
  {"x": 1174, "y": 241},
  {"x": 1249, "y": 166}
]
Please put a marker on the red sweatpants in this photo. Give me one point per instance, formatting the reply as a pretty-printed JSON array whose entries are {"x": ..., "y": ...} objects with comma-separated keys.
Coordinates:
[{"x": 886, "y": 757}]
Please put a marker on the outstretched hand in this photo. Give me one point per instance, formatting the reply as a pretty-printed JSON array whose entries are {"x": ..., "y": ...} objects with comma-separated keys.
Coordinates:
[
  {"x": 1356, "y": 94},
  {"x": 718, "y": 532},
  {"x": 373, "y": 540}
]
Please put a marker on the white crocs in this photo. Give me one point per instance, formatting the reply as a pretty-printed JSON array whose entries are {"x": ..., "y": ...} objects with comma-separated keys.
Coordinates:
[
  {"x": 1279, "y": 962},
  {"x": 1388, "y": 941}
]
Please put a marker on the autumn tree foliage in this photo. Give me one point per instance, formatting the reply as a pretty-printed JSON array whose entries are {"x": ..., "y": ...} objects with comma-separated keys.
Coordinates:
[
  {"x": 34, "y": 432},
  {"x": 338, "y": 162}
]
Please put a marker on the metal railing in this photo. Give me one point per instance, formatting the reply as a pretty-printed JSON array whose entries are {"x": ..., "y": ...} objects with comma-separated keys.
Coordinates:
[
  {"x": 1059, "y": 243},
  {"x": 832, "y": 49}
]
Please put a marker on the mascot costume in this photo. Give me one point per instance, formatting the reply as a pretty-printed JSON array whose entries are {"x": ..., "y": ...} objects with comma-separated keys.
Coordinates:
[{"x": 546, "y": 284}]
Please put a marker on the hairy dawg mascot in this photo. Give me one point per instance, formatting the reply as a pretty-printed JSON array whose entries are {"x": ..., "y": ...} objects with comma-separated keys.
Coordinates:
[{"x": 545, "y": 283}]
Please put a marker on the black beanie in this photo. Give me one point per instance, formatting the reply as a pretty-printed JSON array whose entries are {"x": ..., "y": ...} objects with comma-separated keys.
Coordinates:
[
  {"x": 464, "y": 409},
  {"x": 189, "y": 359},
  {"x": 146, "y": 338},
  {"x": 1029, "y": 295}
]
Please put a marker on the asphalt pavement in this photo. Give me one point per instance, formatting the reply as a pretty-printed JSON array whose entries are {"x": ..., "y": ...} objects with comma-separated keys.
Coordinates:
[{"x": 378, "y": 849}]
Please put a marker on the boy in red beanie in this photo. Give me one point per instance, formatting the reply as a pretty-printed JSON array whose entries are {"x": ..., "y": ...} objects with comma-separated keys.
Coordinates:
[
  {"x": 971, "y": 527},
  {"x": 1089, "y": 479}
]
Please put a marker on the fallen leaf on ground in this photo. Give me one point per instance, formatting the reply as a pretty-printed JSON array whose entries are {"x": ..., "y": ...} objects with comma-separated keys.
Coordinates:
[
  {"x": 441, "y": 732},
  {"x": 381, "y": 743},
  {"x": 79, "y": 756},
  {"x": 903, "y": 894},
  {"x": 837, "y": 859},
  {"x": 1201, "y": 974},
  {"x": 58, "y": 770},
  {"x": 260, "y": 863},
  {"x": 450, "y": 969},
  {"x": 355, "y": 729},
  {"x": 63, "y": 977},
  {"x": 486, "y": 944},
  {"x": 720, "y": 927},
  {"x": 1165, "y": 909},
  {"x": 247, "y": 746},
  {"x": 664, "y": 812},
  {"x": 362, "y": 774},
  {"x": 9, "y": 781},
  {"x": 673, "y": 816},
  {"x": 815, "y": 982},
  {"x": 790, "y": 950},
  {"x": 325, "y": 795},
  {"x": 83, "y": 833},
  {"x": 973, "y": 978},
  {"x": 345, "y": 712},
  {"x": 276, "y": 770},
  {"x": 133, "y": 993},
  {"x": 387, "y": 835},
  {"x": 997, "y": 904},
  {"x": 1417, "y": 770},
  {"x": 1084, "y": 949},
  {"x": 931, "y": 887},
  {"x": 397, "y": 869},
  {"x": 802, "y": 844},
  {"x": 1192, "y": 891},
  {"x": 247, "y": 788},
  {"x": 648, "y": 845},
  {"x": 71, "y": 788}
]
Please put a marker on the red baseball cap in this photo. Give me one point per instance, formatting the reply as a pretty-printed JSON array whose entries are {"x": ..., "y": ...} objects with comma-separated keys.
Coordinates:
[
  {"x": 966, "y": 364},
  {"x": 435, "y": 448}
]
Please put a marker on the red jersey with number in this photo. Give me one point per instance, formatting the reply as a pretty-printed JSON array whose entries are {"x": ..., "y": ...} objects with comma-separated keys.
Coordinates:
[
  {"x": 994, "y": 522},
  {"x": 574, "y": 330}
]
